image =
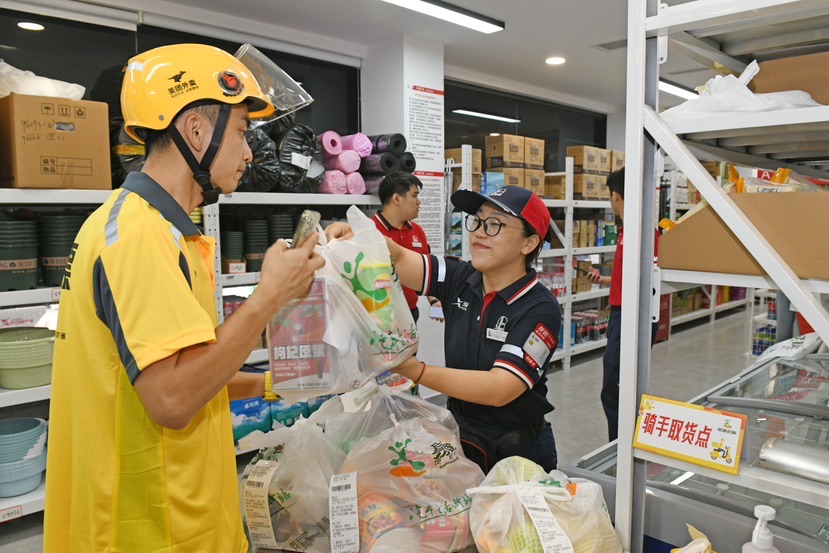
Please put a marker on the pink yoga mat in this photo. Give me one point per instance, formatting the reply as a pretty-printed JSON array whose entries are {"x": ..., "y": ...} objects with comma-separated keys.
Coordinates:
[
  {"x": 359, "y": 142},
  {"x": 347, "y": 162},
  {"x": 331, "y": 142},
  {"x": 355, "y": 183},
  {"x": 333, "y": 183}
]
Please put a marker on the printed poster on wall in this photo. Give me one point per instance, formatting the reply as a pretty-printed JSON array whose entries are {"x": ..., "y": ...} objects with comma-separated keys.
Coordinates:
[
  {"x": 424, "y": 134},
  {"x": 693, "y": 433}
]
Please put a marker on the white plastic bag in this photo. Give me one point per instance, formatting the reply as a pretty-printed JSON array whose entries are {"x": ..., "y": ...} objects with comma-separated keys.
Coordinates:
[
  {"x": 284, "y": 489},
  {"x": 411, "y": 489},
  {"x": 501, "y": 522},
  {"x": 368, "y": 411},
  {"x": 353, "y": 325},
  {"x": 731, "y": 94},
  {"x": 17, "y": 81}
]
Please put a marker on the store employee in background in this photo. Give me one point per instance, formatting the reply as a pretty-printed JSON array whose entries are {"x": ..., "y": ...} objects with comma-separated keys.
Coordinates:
[
  {"x": 141, "y": 454},
  {"x": 400, "y": 195},
  {"x": 611, "y": 359},
  {"x": 502, "y": 327}
]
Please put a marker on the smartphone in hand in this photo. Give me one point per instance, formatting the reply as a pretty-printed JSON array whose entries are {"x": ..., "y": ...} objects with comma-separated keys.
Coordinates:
[{"x": 306, "y": 226}]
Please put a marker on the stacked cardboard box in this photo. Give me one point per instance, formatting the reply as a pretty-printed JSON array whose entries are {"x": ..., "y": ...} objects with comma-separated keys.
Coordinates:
[
  {"x": 477, "y": 167},
  {"x": 519, "y": 158},
  {"x": 592, "y": 165}
]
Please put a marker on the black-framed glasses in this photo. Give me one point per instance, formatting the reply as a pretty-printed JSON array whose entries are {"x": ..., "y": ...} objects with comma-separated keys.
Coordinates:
[{"x": 492, "y": 226}]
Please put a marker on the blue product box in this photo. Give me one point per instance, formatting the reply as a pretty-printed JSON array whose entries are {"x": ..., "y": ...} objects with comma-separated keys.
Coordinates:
[{"x": 249, "y": 415}]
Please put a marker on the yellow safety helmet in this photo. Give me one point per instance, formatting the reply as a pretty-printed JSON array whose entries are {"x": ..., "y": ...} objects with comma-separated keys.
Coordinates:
[{"x": 161, "y": 82}]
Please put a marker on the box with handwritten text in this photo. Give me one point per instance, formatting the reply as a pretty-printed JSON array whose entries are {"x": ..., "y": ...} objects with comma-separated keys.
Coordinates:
[{"x": 48, "y": 142}]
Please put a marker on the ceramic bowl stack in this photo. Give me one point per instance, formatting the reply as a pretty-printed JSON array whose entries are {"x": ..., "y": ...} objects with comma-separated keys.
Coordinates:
[
  {"x": 256, "y": 243},
  {"x": 18, "y": 254},
  {"x": 26, "y": 357},
  {"x": 280, "y": 225},
  {"x": 22, "y": 455},
  {"x": 232, "y": 244},
  {"x": 56, "y": 234}
]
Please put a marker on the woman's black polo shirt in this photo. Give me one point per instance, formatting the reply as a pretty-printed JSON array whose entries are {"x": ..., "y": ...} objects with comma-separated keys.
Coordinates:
[{"x": 515, "y": 329}]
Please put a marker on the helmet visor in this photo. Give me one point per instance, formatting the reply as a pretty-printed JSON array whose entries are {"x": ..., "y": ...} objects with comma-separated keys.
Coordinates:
[{"x": 284, "y": 93}]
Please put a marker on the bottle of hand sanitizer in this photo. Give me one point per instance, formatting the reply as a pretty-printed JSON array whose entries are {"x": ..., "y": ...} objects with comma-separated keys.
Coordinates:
[{"x": 761, "y": 537}]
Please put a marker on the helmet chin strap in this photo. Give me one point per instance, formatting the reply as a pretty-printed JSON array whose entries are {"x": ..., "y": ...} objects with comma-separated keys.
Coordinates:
[{"x": 201, "y": 171}]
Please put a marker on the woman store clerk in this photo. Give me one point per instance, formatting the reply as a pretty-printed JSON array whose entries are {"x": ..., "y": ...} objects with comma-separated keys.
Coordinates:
[{"x": 502, "y": 326}]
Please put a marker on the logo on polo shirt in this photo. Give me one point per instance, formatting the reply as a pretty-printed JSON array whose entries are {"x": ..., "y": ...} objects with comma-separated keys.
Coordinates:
[
  {"x": 416, "y": 243},
  {"x": 462, "y": 305},
  {"x": 501, "y": 324}
]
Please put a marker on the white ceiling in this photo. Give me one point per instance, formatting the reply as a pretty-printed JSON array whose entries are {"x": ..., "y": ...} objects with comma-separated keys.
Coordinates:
[{"x": 535, "y": 30}]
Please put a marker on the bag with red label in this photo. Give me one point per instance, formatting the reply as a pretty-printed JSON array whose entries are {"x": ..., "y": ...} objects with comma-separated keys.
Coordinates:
[{"x": 411, "y": 489}]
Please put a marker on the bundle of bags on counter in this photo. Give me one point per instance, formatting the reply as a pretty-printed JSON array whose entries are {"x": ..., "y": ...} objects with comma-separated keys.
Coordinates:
[
  {"x": 357, "y": 163},
  {"x": 411, "y": 481},
  {"x": 413, "y": 490},
  {"x": 354, "y": 324}
]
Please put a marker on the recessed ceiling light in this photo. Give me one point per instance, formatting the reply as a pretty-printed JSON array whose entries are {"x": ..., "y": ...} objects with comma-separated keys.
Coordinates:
[
  {"x": 29, "y": 26},
  {"x": 494, "y": 134},
  {"x": 556, "y": 60}
]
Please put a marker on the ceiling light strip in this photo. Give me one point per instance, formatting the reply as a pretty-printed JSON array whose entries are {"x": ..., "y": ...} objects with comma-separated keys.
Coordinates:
[
  {"x": 452, "y": 14},
  {"x": 485, "y": 115}
]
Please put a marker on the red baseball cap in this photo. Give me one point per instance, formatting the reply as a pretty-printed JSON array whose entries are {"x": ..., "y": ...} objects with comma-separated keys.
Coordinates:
[{"x": 517, "y": 201}]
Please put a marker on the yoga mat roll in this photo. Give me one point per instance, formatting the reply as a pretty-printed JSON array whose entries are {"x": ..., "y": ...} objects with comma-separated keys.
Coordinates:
[
  {"x": 359, "y": 142},
  {"x": 408, "y": 162},
  {"x": 391, "y": 143},
  {"x": 347, "y": 162},
  {"x": 373, "y": 183},
  {"x": 331, "y": 143},
  {"x": 333, "y": 183},
  {"x": 379, "y": 164},
  {"x": 355, "y": 183}
]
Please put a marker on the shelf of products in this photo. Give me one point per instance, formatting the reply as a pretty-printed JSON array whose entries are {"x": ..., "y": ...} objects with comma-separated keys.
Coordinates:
[
  {"x": 26, "y": 395},
  {"x": 29, "y": 297},
  {"x": 22, "y": 505},
  {"x": 777, "y": 24},
  {"x": 267, "y": 198}
]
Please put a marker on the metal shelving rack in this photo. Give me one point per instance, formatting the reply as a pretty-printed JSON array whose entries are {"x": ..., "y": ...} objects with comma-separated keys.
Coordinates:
[{"x": 774, "y": 23}]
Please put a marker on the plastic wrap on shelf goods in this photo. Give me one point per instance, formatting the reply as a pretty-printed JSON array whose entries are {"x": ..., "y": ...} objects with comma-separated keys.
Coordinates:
[
  {"x": 500, "y": 515},
  {"x": 373, "y": 183},
  {"x": 347, "y": 161},
  {"x": 301, "y": 160},
  {"x": 284, "y": 489},
  {"x": 353, "y": 325},
  {"x": 355, "y": 184},
  {"x": 367, "y": 411},
  {"x": 126, "y": 154},
  {"x": 333, "y": 183},
  {"x": 331, "y": 144},
  {"x": 392, "y": 143},
  {"x": 411, "y": 489},
  {"x": 263, "y": 173}
]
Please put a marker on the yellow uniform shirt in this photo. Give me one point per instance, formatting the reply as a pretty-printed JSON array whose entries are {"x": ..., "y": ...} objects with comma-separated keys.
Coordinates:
[{"x": 139, "y": 288}]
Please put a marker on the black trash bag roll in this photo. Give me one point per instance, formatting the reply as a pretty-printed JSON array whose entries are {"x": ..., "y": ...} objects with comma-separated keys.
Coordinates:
[
  {"x": 408, "y": 162},
  {"x": 126, "y": 155},
  {"x": 278, "y": 126},
  {"x": 379, "y": 164},
  {"x": 301, "y": 161},
  {"x": 262, "y": 174},
  {"x": 391, "y": 143}
]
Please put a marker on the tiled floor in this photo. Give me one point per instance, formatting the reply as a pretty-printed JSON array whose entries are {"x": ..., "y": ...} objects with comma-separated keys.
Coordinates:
[{"x": 696, "y": 358}]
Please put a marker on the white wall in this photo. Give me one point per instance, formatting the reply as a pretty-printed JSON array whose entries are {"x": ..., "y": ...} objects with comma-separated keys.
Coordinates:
[{"x": 616, "y": 129}]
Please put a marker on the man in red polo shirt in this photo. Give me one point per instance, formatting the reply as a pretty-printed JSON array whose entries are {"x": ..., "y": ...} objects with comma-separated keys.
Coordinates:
[{"x": 400, "y": 195}]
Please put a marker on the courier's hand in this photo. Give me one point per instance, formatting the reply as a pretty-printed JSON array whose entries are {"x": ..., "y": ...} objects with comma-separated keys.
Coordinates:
[
  {"x": 594, "y": 276},
  {"x": 338, "y": 230},
  {"x": 288, "y": 274},
  {"x": 410, "y": 368}
]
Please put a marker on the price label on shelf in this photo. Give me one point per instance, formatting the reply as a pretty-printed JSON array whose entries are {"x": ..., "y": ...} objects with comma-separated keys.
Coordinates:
[
  {"x": 56, "y": 294},
  {"x": 11, "y": 513}
]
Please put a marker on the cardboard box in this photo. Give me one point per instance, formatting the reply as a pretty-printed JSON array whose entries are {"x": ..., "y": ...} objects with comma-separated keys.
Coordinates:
[
  {"x": 50, "y": 142},
  {"x": 512, "y": 176},
  {"x": 588, "y": 185},
  {"x": 809, "y": 73},
  {"x": 617, "y": 160},
  {"x": 704, "y": 243},
  {"x": 477, "y": 179},
  {"x": 534, "y": 180},
  {"x": 554, "y": 187},
  {"x": 457, "y": 155},
  {"x": 604, "y": 160},
  {"x": 505, "y": 150},
  {"x": 588, "y": 158},
  {"x": 534, "y": 153}
]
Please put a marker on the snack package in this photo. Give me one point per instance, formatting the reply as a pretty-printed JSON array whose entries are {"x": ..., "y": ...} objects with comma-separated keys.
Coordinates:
[
  {"x": 411, "y": 489},
  {"x": 368, "y": 411},
  {"x": 284, "y": 489},
  {"x": 353, "y": 325},
  {"x": 517, "y": 497}
]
